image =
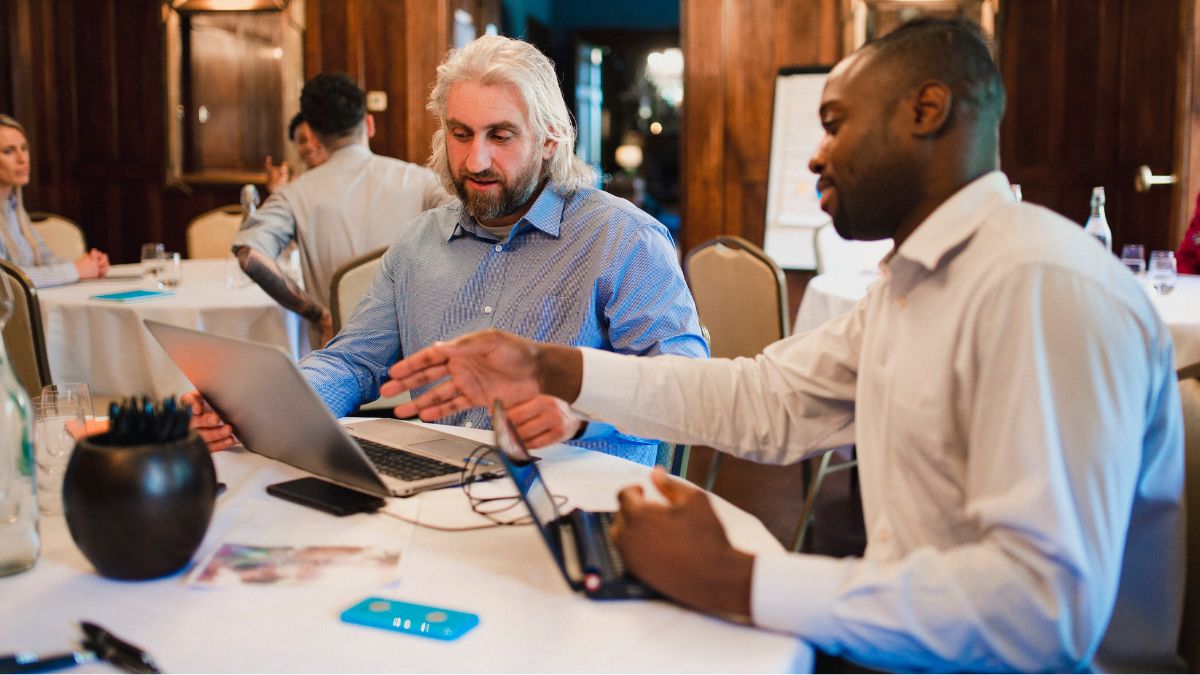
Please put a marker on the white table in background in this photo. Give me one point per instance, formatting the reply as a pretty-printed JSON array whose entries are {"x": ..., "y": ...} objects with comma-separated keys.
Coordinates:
[
  {"x": 529, "y": 620},
  {"x": 828, "y": 296},
  {"x": 105, "y": 344}
]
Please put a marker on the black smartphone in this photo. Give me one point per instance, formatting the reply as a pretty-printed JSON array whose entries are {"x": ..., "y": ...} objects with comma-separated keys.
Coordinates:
[{"x": 325, "y": 496}]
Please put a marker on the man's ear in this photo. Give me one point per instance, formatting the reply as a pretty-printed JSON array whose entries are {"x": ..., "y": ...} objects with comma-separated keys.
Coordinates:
[
  {"x": 931, "y": 107},
  {"x": 548, "y": 147}
]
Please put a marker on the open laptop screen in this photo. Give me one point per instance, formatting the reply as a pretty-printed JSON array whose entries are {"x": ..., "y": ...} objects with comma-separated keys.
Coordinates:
[{"x": 524, "y": 472}]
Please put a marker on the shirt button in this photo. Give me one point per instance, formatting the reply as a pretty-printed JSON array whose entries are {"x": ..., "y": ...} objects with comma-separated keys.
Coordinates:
[
  {"x": 487, "y": 310},
  {"x": 468, "y": 424},
  {"x": 499, "y": 248}
]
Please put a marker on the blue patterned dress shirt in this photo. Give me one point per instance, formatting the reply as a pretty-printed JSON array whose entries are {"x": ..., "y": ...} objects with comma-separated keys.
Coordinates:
[{"x": 588, "y": 269}]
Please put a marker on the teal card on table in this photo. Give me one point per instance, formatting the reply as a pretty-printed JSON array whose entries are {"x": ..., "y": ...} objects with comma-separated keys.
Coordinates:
[
  {"x": 133, "y": 296},
  {"x": 406, "y": 617}
]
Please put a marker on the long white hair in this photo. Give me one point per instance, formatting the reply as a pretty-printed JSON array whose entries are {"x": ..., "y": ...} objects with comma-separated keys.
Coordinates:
[
  {"x": 493, "y": 60},
  {"x": 22, "y": 215}
]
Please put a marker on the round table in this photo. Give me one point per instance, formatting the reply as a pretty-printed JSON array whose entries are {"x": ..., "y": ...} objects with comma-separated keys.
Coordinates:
[
  {"x": 530, "y": 620},
  {"x": 828, "y": 296},
  {"x": 105, "y": 344}
]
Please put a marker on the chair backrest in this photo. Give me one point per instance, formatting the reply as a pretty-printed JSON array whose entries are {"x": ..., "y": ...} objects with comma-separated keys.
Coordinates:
[
  {"x": 349, "y": 283},
  {"x": 838, "y": 255},
  {"x": 1189, "y": 635},
  {"x": 210, "y": 235},
  {"x": 60, "y": 233},
  {"x": 740, "y": 294},
  {"x": 24, "y": 340}
]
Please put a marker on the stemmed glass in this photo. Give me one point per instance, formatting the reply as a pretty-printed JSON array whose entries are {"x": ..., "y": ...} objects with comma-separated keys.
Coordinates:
[{"x": 56, "y": 422}]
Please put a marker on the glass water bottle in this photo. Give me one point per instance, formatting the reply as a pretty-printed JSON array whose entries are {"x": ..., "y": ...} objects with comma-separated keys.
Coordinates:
[
  {"x": 1097, "y": 223},
  {"x": 19, "y": 540}
]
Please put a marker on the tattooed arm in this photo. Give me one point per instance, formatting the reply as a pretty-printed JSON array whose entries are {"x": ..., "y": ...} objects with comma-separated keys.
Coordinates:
[{"x": 267, "y": 275}]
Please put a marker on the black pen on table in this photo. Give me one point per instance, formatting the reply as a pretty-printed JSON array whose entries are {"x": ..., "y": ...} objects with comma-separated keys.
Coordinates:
[{"x": 29, "y": 662}]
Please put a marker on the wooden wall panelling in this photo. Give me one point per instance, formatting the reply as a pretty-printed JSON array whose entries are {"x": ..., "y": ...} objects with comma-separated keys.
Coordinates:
[
  {"x": 427, "y": 39},
  {"x": 387, "y": 45},
  {"x": 383, "y": 31},
  {"x": 702, "y": 151},
  {"x": 732, "y": 50},
  {"x": 1188, "y": 144},
  {"x": 1090, "y": 98}
]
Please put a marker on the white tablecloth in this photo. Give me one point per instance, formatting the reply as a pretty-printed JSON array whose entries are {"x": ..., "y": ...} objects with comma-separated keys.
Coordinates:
[
  {"x": 529, "y": 620},
  {"x": 105, "y": 344},
  {"x": 829, "y": 296}
]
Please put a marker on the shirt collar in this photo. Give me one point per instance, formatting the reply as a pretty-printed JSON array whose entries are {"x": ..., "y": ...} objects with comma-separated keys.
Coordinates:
[
  {"x": 349, "y": 152},
  {"x": 956, "y": 220},
  {"x": 546, "y": 215},
  {"x": 12, "y": 199}
]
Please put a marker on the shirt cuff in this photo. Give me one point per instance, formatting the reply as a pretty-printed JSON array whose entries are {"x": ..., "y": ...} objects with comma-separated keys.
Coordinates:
[
  {"x": 796, "y": 593},
  {"x": 606, "y": 381}
]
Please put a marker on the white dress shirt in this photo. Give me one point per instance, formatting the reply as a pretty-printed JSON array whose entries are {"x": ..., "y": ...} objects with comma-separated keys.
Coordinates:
[
  {"x": 1012, "y": 395},
  {"x": 53, "y": 270},
  {"x": 352, "y": 204}
]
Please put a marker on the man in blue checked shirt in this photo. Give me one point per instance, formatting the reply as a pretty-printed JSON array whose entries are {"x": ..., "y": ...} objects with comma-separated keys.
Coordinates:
[{"x": 531, "y": 248}]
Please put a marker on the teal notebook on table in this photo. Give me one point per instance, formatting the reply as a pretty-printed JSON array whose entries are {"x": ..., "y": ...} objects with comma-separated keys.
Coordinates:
[{"x": 133, "y": 296}]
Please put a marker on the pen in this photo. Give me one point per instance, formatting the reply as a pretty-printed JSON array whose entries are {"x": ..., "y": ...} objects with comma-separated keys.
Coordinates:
[
  {"x": 28, "y": 662},
  {"x": 116, "y": 651}
]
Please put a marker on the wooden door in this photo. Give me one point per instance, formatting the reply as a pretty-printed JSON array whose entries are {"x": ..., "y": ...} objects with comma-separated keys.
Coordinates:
[{"x": 1097, "y": 88}]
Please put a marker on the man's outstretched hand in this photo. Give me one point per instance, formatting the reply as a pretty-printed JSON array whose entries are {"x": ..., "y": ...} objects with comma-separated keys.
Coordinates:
[{"x": 475, "y": 369}]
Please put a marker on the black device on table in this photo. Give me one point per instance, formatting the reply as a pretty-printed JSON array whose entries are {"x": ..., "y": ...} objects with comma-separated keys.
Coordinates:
[
  {"x": 325, "y": 496},
  {"x": 578, "y": 541}
]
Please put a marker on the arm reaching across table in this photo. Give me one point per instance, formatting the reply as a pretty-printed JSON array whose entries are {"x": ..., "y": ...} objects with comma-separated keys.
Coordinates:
[{"x": 482, "y": 367}]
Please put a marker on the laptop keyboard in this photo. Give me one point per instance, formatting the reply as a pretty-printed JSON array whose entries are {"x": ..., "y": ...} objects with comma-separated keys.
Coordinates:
[
  {"x": 614, "y": 556},
  {"x": 404, "y": 465}
]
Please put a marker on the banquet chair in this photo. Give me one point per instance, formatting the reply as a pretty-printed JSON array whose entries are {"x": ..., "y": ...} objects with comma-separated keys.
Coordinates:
[
  {"x": 24, "y": 340},
  {"x": 741, "y": 296},
  {"x": 350, "y": 282},
  {"x": 61, "y": 234},
  {"x": 838, "y": 256},
  {"x": 1189, "y": 634},
  {"x": 210, "y": 234}
]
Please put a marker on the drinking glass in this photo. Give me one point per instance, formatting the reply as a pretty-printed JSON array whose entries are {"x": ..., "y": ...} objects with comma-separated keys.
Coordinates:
[
  {"x": 77, "y": 390},
  {"x": 152, "y": 254},
  {"x": 1162, "y": 271},
  {"x": 56, "y": 422},
  {"x": 171, "y": 272},
  {"x": 1133, "y": 256}
]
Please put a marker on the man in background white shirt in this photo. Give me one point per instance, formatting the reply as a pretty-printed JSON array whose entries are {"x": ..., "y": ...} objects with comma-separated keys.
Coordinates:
[
  {"x": 1009, "y": 386},
  {"x": 350, "y": 205}
]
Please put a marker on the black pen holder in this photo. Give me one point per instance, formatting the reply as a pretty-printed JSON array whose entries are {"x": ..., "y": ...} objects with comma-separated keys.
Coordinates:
[{"x": 139, "y": 511}]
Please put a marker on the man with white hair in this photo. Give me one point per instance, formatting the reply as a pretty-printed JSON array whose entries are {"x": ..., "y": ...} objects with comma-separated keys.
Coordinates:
[{"x": 531, "y": 247}]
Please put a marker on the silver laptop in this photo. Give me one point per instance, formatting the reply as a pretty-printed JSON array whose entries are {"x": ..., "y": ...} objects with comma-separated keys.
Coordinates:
[{"x": 275, "y": 413}]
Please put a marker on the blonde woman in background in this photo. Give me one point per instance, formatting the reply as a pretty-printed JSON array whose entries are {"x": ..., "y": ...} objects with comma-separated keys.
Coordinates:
[{"x": 19, "y": 242}]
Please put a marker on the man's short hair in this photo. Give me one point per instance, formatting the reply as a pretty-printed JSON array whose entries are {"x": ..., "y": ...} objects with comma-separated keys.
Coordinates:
[
  {"x": 297, "y": 120},
  {"x": 333, "y": 105},
  {"x": 494, "y": 60},
  {"x": 953, "y": 51}
]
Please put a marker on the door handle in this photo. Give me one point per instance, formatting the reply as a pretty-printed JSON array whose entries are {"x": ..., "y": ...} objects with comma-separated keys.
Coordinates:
[{"x": 1144, "y": 180}]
